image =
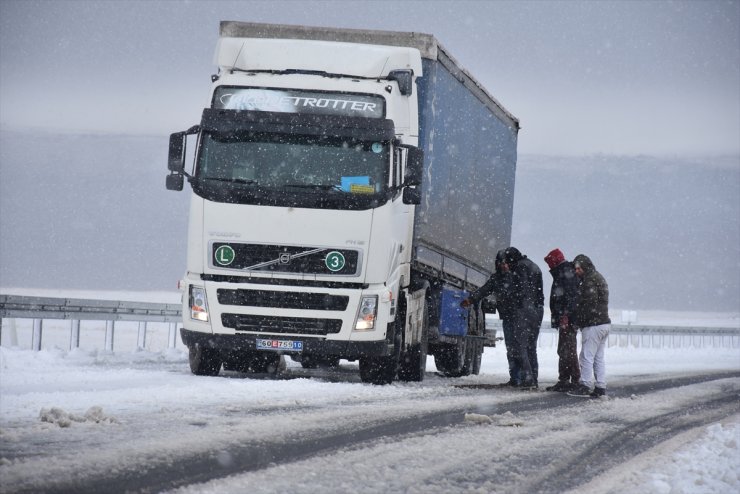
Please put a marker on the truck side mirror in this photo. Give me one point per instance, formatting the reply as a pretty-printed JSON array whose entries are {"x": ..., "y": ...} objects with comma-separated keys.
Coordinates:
[
  {"x": 414, "y": 166},
  {"x": 176, "y": 161},
  {"x": 405, "y": 80},
  {"x": 411, "y": 195},
  {"x": 175, "y": 181}
]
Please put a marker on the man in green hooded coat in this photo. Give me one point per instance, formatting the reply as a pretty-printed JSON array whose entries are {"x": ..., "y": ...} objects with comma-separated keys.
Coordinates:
[{"x": 592, "y": 317}]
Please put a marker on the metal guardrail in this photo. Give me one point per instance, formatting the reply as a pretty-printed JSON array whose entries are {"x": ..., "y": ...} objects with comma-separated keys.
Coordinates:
[
  {"x": 87, "y": 309},
  {"x": 648, "y": 329},
  {"x": 646, "y": 336},
  {"x": 75, "y": 310}
]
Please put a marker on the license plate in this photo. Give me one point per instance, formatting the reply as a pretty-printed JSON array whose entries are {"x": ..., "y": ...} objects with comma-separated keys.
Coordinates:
[{"x": 284, "y": 345}]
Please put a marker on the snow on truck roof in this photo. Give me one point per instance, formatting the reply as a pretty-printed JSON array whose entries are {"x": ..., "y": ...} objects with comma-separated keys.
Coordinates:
[{"x": 427, "y": 45}]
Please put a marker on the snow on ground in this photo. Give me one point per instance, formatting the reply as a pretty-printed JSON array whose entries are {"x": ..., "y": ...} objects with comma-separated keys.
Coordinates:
[
  {"x": 701, "y": 461},
  {"x": 54, "y": 390},
  {"x": 58, "y": 396}
]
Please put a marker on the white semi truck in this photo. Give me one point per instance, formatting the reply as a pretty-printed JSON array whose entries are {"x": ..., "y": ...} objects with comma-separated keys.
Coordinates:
[{"x": 349, "y": 187}]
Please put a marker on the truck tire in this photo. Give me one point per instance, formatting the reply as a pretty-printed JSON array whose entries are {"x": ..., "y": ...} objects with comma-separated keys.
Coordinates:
[
  {"x": 413, "y": 362},
  {"x": 313, "y": 361},
  {"x": 378, "y": 370},
  {"x": 471, "y": 351},
  {"x": 381, "y": 370},
  {"x": 253, "y": 362},
  {"x": 477, "y": 327},
  {"x": 477, "y": 357},
  {"x": 451, "y": 359},
  {"x": 237, "y": 363},
  {"x": 266, "y": 362},
  {"x": 204, "y": 361}
]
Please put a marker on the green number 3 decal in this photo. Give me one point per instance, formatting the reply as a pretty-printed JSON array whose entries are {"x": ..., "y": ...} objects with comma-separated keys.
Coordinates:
[{"x": 334, "y": 261}]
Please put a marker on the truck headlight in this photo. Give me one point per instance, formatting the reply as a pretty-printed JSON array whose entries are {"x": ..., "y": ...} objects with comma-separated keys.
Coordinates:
[
  {"x": 198, "y": 304},
  {"x": 365, "y": 320}
]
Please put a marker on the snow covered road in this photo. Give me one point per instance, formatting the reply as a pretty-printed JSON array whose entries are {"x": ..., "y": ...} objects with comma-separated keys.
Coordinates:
[{"x": 88, "y": 422}]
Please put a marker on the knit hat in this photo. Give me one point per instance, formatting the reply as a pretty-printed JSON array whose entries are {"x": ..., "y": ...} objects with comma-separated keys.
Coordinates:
[{"x": 554, "y": 258}]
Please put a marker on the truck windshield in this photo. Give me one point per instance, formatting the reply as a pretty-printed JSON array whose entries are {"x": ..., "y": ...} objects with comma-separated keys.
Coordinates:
[{"x": 295, "y": 162}]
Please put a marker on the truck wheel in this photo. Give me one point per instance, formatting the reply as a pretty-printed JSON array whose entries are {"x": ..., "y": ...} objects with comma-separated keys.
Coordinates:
[
  {"x": 476, "y": 327},
  {"x": 266, "y": 362},
  {"x": 204, "y": 361},
  {"x": 313, "y": 361},
  {"x": 382, "y": 370},
  {"x": 238, "y": 362},
  {"x": 309, "y": 361},
  {"x": 378, "y": 370},
  {"x": 413, "y": 362},
  {"x": 477, "y": 358},
  {"x": 470, "y": 351},
  {"x": 450, "y": 359}
]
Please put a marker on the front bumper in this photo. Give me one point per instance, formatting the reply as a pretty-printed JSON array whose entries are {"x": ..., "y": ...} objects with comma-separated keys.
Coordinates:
[{"x": 247, "y": 342}]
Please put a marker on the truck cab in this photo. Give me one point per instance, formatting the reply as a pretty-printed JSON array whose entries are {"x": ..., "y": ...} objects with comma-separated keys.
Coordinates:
[{"x": 301, "y": 217}]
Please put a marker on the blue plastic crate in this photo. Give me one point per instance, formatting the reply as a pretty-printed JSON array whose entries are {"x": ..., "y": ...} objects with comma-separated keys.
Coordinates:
[{"x": 453, "y": 319}]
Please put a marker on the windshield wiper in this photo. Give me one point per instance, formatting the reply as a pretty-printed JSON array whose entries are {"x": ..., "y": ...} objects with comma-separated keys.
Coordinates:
[
  {"x": 315, "y": 186},
  {"x": 242, "y": 181}
]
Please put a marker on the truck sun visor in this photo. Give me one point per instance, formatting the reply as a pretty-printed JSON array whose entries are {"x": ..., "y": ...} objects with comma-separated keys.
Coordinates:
[
  {"x": 234, "y": 121},
  {"x": 298, "y": 101}
]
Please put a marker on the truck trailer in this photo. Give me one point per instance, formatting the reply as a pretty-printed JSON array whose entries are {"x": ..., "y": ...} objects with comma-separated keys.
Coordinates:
[{"x": 348, "y": 189}]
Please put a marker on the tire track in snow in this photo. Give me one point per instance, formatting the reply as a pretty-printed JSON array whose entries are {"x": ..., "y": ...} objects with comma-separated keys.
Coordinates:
[{"x": 256, "y": 455}]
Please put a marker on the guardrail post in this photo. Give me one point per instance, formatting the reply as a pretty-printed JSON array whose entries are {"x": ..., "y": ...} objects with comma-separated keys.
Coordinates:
[
  {"x": 8, "y": 335},
  {"x": 74, "y": 334},
  {"x": 38, "y": 326},
  {"x": 141, "y": 340},
  {"x": 109, "y": 328},
  {"x": 173, "y": 335}
]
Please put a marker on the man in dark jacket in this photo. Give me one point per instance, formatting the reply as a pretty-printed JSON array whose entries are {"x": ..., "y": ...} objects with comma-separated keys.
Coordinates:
[
  {"x": 498, "y": 285},
  {"x": 592, "y": 317},
  {"x": 563, "y": 295},
  {"x": 527, "y": 302}
]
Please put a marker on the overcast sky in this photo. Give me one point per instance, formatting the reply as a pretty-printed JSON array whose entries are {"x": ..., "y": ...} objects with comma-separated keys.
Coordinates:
[{"x": 626, "y": 77}]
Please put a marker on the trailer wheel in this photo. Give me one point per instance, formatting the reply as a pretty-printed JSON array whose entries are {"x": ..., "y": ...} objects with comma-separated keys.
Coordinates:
[
  {"x": 451, "y": 359},
  {"x": 477, "y": 358},
  {"x": 477, "y": 327},
  {"x": 413, "y": 362},
  {"x": 471, "y": 349},
  {"x": 204, "y": 361}
]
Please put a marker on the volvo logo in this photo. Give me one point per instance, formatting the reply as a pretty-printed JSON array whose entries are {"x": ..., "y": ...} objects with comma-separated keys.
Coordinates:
[{"x": 284, "y": 258}]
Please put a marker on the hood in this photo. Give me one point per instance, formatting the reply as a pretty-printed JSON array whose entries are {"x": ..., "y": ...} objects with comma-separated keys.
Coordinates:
[
  {"x": 512, "y": 255},
  {"x": 585, "y": 262}
]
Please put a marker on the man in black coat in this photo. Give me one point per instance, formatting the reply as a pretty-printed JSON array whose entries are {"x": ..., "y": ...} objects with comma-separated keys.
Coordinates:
[
  {"x": 499, "y": 285},
  {"x": 563, "y": 298},
  {"x": 517, "y": 285},
  {"x": 527, "y": 302}
]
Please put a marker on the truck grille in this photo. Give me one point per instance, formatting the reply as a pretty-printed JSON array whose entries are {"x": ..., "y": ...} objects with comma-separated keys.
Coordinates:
[
  {"x": 271, "y": 324},
  {"x": 282, "y": 300},
  {"x": 286, "y": 259}
]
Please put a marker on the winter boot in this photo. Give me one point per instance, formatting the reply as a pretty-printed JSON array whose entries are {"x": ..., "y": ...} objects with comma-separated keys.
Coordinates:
[
  {"x": 582, "y": 391},
  {"x": 598, "y": 393},
  {"x": 561, "y": 387}
]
